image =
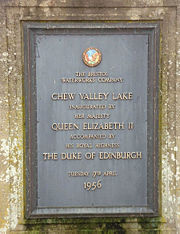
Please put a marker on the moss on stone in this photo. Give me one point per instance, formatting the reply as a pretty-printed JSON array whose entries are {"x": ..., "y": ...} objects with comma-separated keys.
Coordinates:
[
  {"x": 150, "y": 225},
  {"x": 124, "y": 225}
]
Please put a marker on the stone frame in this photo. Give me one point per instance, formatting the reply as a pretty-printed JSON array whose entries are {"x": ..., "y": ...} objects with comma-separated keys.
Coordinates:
[{"x": 12, "y": 160}]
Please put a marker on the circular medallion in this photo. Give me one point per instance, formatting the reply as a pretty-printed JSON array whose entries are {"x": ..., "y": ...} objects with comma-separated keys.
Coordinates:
[{"x": 91, "y": 57}]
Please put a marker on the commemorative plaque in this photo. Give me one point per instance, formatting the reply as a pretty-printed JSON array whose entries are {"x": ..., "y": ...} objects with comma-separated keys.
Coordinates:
[{"x": 91, "y": 108}]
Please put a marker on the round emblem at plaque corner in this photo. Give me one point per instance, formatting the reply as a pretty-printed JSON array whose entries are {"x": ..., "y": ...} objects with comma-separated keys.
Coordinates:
[{"x": 91, "y": 57}]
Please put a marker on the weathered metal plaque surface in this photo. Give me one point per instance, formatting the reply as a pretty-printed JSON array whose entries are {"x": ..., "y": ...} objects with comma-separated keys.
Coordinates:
[{"x": 91, "y": 119}]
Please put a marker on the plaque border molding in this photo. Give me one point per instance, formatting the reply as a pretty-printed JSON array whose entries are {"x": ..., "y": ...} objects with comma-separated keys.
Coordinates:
[{"x": 152, "y": 30}]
